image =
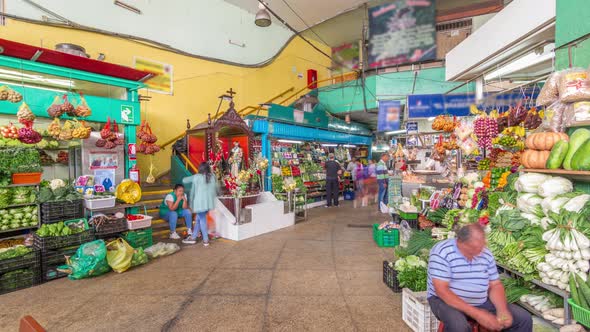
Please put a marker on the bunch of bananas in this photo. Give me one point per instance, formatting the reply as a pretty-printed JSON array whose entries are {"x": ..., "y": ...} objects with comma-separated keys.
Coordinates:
[{"x": 515, "y": 130}]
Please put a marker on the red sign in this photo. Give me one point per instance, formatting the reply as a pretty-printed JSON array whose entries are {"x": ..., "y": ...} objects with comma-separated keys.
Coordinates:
[{"x": 131, "y": 153}]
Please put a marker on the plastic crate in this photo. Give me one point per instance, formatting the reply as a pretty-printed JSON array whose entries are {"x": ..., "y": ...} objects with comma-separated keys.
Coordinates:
[
  {"x": 140, "y": 223},
  {"x": 390, "y": 277},
  {"x": 385, "y": 238},
  {"x": 139, "y": 239},
  {"x": 408, "y": 215},
  {"x": 580, "y": 314},
  {"x": 19, "y": 262},
  {"x": 52, "y": 259},
  {"x": 113, "y": 227},
  {"x": 349, "y": 195},
  {"x": 26, "y": 178},
  {"x": 57, "y": 242},
  {"x": 413, "y": 223},
  {"x": 99, "y": 203},
  {"x": 416, "y": 312},
  {"x": 20, "y": 278},
  {"x": 52, "y": 212}
]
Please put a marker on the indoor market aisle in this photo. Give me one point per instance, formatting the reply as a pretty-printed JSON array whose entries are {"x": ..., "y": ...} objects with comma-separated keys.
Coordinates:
[{"x": 320, "y": 275}]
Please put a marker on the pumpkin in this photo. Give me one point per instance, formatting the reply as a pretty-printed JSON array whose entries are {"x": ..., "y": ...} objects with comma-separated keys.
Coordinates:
[
  {"x": 534, "y": 158},
  {"x": 544, "y": 141}
]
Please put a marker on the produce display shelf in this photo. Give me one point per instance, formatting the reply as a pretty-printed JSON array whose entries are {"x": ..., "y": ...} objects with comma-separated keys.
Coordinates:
[
  {"x": 19, "y": 229},
  {"x": 19, "y": 205},
  {"x": 537, "y": 313},
  {"x": 583, "y": 176},
  {"x": 119, "y": 207},
  {"x": 580, "y": 124},
  {"x": 555, "y": 290}
]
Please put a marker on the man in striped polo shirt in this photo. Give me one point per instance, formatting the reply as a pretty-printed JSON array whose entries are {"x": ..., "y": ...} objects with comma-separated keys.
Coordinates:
[{"x": 463, "y": 282}]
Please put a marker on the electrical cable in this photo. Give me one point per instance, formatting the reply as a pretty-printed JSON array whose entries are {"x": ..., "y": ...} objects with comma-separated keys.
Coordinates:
[
  {"x": 364, "y": 50},
  {"x": 305, "y": 23}
]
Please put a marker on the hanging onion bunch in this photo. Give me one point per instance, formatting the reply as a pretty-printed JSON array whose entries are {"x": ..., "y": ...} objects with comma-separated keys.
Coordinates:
[
  {"x": 110, "y": 137},
  {"x": 145, "y": 134},
  {"x": 55, "y": 110},
  {"x": 67, "y": 107},
  {"x": 10, "y": 95},
  {"x": 82, "y": 110}
]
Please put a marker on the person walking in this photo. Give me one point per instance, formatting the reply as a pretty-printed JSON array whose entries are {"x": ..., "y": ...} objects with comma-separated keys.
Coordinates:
[
  {"x": 175, "y": 204},
  {"x": 333, "y": 171},
  {"x": 203, "y": 193},
  {"x": 382, "y": 173}
]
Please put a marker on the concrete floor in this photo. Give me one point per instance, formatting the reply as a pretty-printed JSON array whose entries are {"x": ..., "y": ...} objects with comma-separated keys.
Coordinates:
[{"x": 319, "y": 275}]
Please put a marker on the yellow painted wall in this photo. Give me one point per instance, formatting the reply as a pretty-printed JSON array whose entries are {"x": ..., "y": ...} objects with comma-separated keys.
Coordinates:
[{"x": 197, "y": 83}]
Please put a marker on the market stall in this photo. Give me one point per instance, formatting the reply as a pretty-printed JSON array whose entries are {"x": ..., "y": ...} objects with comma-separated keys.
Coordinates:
[{"x": 67, "y": 147}]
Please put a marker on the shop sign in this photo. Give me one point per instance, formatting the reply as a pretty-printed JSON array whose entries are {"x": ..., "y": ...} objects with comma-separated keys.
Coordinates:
[
  {"x": 402, "y": 32},
  {"x": 127, "y": 115},
  {"x": 389, "y": 115},
  {"x": 162, "y": 80},
  {"x": 425, "y": 106},
  {"x": 412, "y": 127},
  {"x": 131, "y": 151}
]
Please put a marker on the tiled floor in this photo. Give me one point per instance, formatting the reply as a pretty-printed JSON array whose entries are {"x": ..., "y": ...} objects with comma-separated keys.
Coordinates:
[{"x": 320, "y": 275}]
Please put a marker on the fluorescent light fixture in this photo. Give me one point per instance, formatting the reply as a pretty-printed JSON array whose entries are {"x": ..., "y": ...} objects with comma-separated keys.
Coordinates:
[
  {"x": 18, "y": 77},
  {"x": 289, "y": 141},
  {"x": 395, "y": 132},
  {"x": 349, "y": 146},
  {"x": 329, "y": 145},
  {"x": 35, "y": 87},
  {"x": 128, "y": 7},
  {"x": 524, "y": 62}
]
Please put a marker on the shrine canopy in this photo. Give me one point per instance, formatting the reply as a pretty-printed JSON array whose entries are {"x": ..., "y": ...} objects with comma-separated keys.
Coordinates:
[{"x": 215, "y": 138}]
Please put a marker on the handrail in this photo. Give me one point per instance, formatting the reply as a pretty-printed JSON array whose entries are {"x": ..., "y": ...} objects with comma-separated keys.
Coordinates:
[
  {"x": 172, "y": 140},
  {"x": 312, "y": 84},
  {"x": 188, "y": 163}
]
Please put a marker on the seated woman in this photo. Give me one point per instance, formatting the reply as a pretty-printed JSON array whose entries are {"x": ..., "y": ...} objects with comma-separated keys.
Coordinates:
[{"x": 175, "y": 204}]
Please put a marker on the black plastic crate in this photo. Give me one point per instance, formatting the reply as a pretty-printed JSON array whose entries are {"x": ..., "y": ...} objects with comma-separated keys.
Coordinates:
[
  {"x": 52, "y": 259},
  {"x": 27, "y": 260},
  {"x": 57, "y": 242},
  {"x": 111, "y": 228},
  {"x": 413, "y": 223},
  {"x": 52, "y": 212},
  {"x": 390, "y": 277},
  {"x": 19, "y": 279}
]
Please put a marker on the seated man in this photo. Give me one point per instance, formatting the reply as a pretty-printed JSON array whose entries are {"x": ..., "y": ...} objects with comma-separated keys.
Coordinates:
[
  {"x": 463, "y": 282},
  {"x": 173, "y": 205}
]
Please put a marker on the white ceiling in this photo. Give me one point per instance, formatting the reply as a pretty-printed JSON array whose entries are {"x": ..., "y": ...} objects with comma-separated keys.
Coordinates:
[{"x": 313, "y": 12}]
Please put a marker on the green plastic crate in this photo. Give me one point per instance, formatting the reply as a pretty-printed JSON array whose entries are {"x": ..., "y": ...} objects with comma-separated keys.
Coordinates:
[
  {"x": 580, "y": 314},
  {"x": 385, "y": 238},
  {"x": 139, "y": 239},
  {"x": 408, "y": 215}
]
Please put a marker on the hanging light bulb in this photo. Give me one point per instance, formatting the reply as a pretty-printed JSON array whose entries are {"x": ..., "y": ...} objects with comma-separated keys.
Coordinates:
[{"x": 262, "y": 16}]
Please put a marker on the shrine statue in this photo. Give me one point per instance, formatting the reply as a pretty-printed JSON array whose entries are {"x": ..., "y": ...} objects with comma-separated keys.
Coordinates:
[{"x": 235, "y": 161}]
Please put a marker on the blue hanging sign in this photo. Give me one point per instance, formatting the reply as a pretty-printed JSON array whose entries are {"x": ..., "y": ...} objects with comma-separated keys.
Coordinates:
[
  {"x": 412, "y": 127},
  {"x": 389, "y": 117}
]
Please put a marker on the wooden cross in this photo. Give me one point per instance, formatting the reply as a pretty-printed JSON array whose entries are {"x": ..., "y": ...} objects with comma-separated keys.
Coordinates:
[{"x": 231, "y": 92}]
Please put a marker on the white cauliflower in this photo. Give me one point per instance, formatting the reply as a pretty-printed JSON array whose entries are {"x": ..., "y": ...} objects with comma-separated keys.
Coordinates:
[{"x": 56, "y": 183}]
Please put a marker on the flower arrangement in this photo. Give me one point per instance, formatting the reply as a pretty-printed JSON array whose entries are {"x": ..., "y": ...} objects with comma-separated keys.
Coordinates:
[{"x": 238, "y": 186}]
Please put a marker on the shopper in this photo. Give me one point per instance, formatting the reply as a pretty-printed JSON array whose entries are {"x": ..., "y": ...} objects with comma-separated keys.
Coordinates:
[
  {"x": 370, "y": 184},
  {"x": 175, "y": 205},
  {"x": 203, "y": 193},
  {"x": 333, "y": 171},
  {"x": 351, "y": 168},
  {"x": 463, "y": 282},
  {"x": 382, "y": 173},
  {"x": 361, "y": 173}
]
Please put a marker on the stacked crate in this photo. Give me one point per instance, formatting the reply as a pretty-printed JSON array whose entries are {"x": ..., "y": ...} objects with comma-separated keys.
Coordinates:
[{"x": 19, "y": 272}]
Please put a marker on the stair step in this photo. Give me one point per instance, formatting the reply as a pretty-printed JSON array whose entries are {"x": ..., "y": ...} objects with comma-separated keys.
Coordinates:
[{"x": 159, "y": 191}]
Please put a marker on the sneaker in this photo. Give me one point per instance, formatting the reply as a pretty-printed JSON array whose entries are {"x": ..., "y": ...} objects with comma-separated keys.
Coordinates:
[
  {"x": 189, "y": 240},
  {"x": 189, "y": 231},
  {"x": 327, "y": 206},
  {"x": 205, "y": 244},
  {"x": 174, "y": 236}
]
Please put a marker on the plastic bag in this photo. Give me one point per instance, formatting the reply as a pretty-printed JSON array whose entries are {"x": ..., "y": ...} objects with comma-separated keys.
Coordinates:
[
  {"x": 553, "y": 119},
  {"x": 139, "y": 257},
  {"x": 161, "y": 249},
  {"x": 463, "y": 130},
  {"x": 574, "y": 85},
  {"x": 82, "y": 110},
  {"x": 7, "y": 93},
  {"x": 119, "y": 255},
  {"x": 55, "y": 110},
  {"x": 90, "y": 260},
  {"x": 581, "y": 111},
  {"x": 405, "y": 233},
  {"x": 550, "y": 91}
]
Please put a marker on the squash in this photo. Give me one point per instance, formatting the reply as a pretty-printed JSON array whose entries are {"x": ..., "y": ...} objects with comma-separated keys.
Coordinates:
[
  {"x": 557, "y": 155},
  {"x": 544, "y": 141},
  {"x": 534, "y": 158},
  {"x": 579, "y": 137}
]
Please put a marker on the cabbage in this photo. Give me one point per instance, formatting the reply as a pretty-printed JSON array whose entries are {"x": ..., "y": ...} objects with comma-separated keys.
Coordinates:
[
  {"x": 530, "y": 182},
  {"x": 577, "y": 203},
  {"x": 553, "y": 204},
  {"x": 532, "y": 218},
  {"x": 530, "y": 203},
  {"x": 555, "y": 186}
]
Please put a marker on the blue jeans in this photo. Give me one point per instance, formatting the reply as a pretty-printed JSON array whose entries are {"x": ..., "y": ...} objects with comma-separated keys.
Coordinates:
[
  {"x": 172, "y": 217},
  {"x": 382, "y": 192},
  {"x": 201, "y": 224}
]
